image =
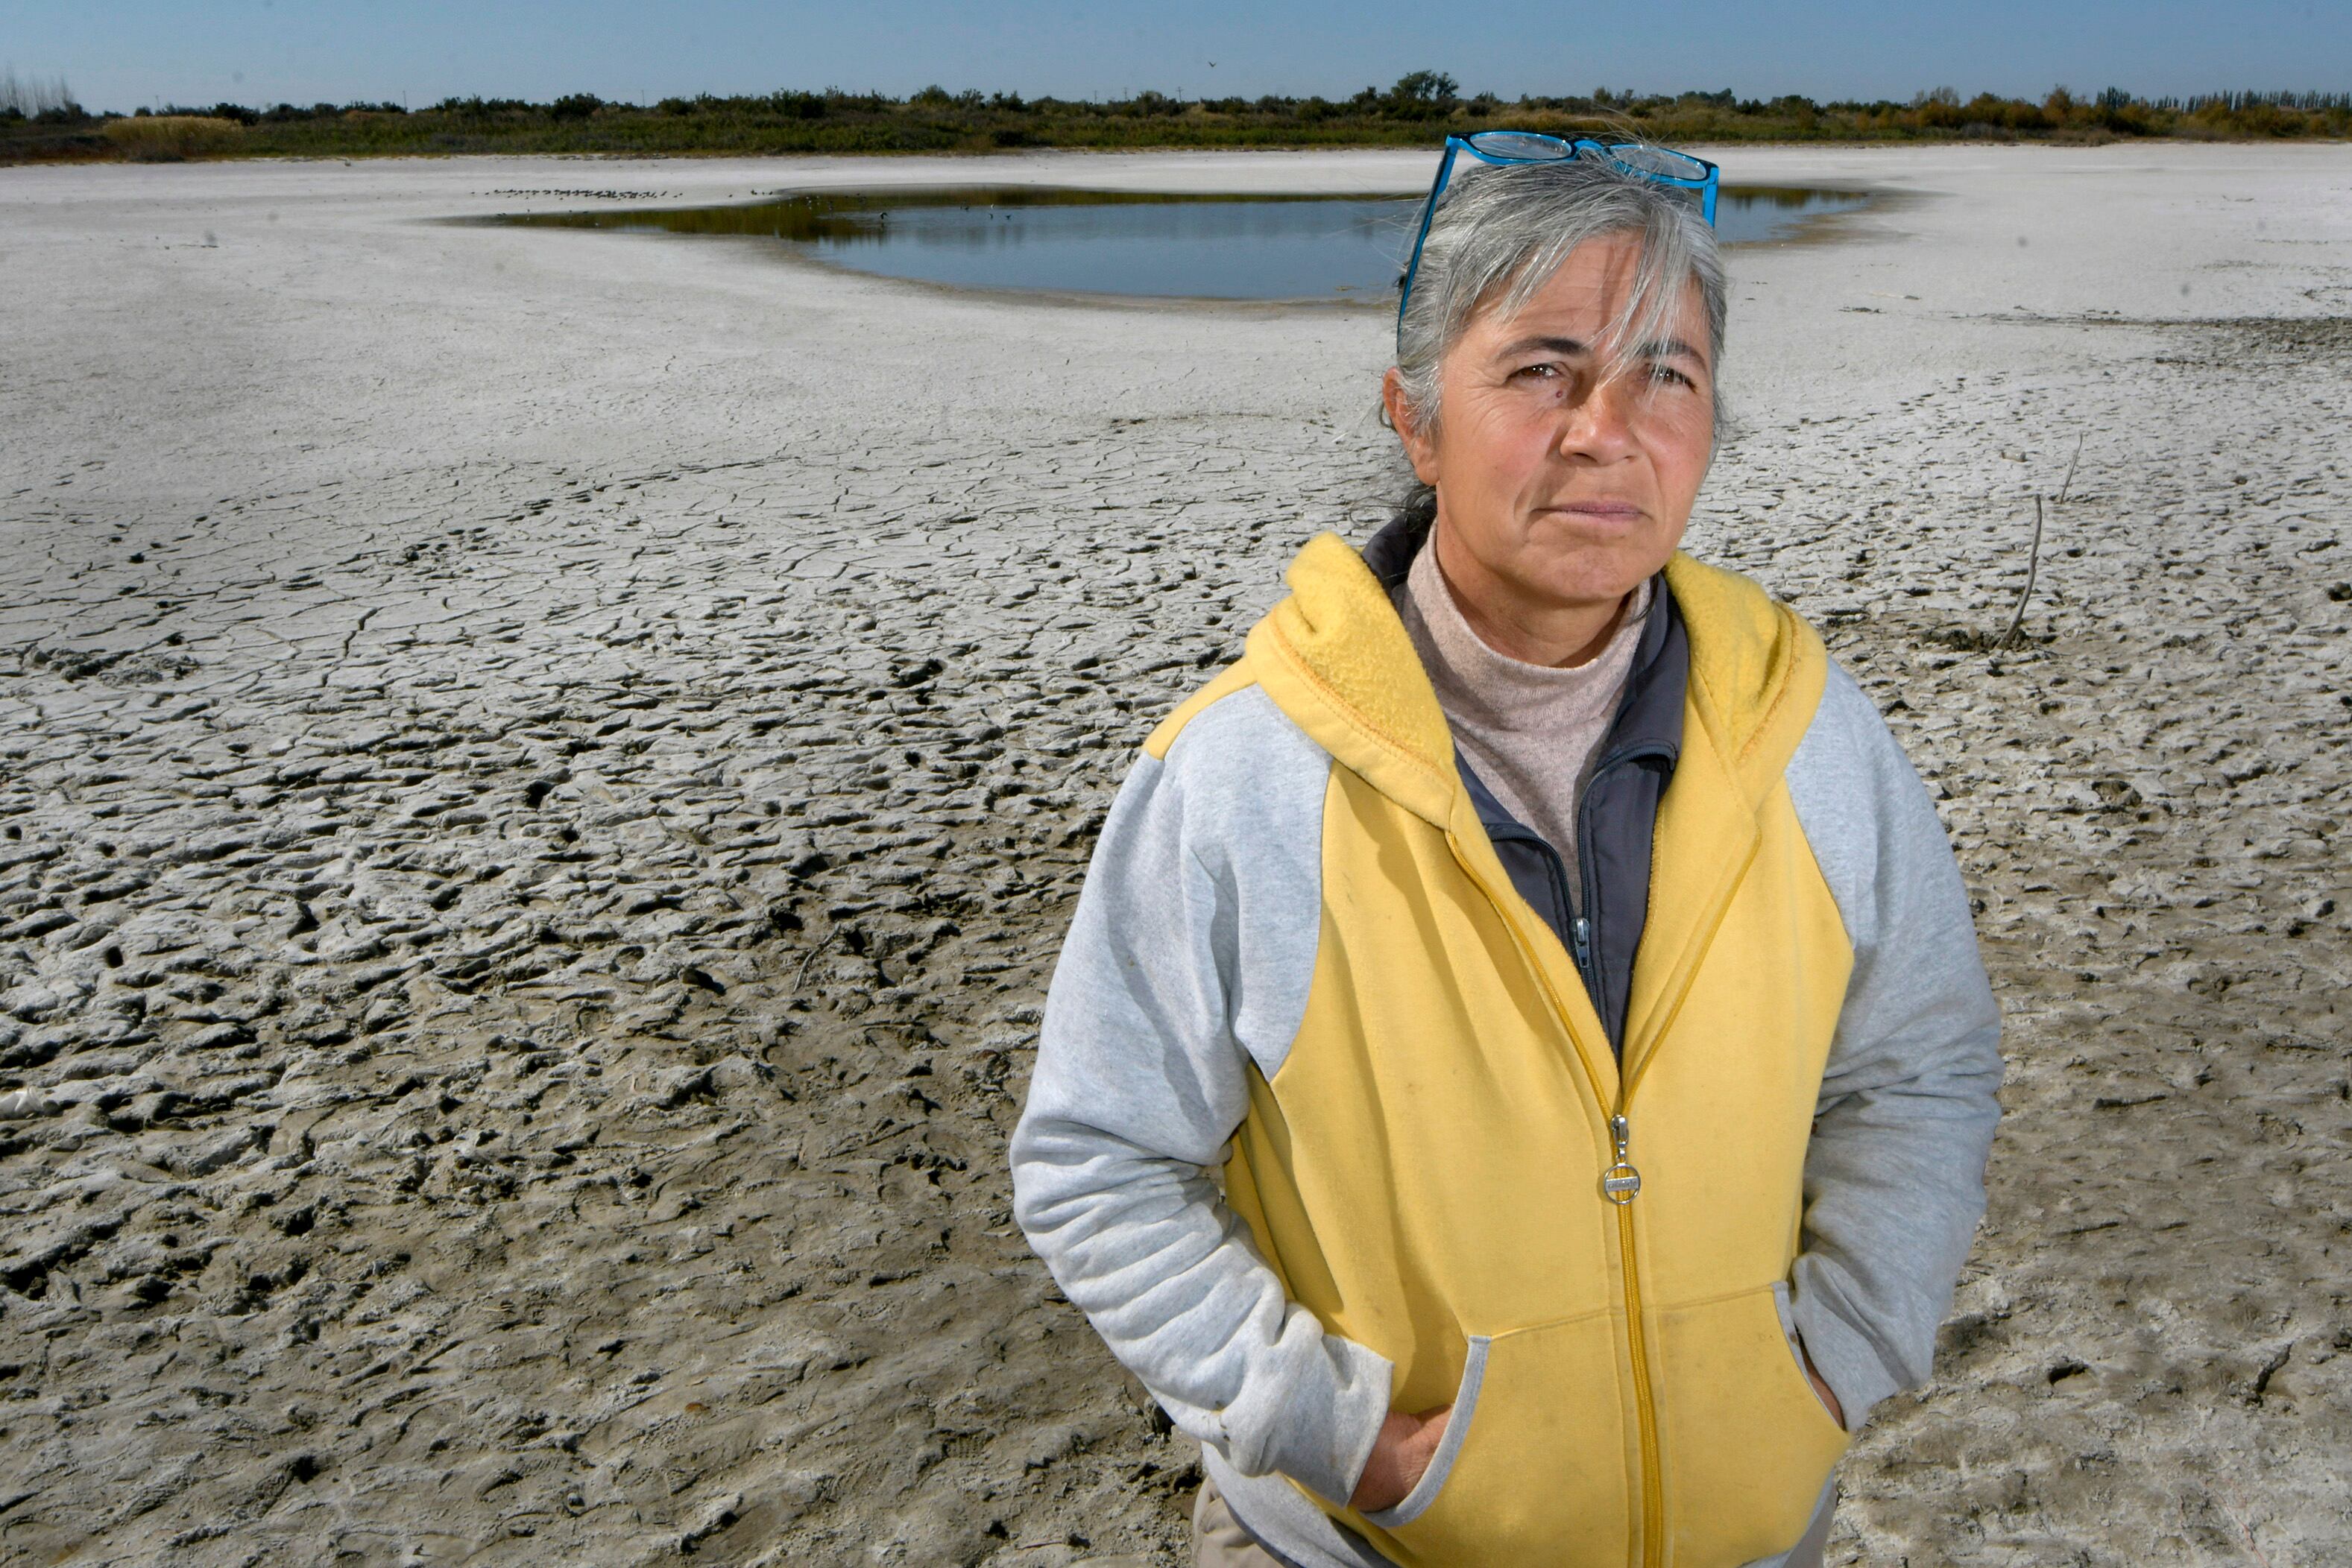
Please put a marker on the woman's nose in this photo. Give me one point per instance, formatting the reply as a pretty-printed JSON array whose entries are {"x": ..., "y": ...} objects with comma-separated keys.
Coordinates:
[{"x": 1600, "y": 425}]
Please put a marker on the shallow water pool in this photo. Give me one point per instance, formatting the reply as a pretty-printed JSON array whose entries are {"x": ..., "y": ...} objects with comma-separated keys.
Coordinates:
[{"x": 1212, "y": 246}]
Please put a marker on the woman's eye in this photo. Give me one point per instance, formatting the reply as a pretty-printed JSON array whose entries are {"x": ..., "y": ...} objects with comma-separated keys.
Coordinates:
[{"x": 1667, "y": 376}]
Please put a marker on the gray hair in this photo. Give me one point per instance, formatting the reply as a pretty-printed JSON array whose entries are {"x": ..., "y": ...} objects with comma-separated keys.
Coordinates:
[{"x": 1501, "y": 232}]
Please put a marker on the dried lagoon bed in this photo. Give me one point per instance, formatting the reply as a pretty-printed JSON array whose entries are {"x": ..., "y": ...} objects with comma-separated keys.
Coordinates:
[{"x": 541, "y": 774}]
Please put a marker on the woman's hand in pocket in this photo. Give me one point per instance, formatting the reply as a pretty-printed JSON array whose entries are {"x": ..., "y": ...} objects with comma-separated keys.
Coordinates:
[
  {"x": 1400, "y": 1456},
  {"x": 1821, "y": 1391}
]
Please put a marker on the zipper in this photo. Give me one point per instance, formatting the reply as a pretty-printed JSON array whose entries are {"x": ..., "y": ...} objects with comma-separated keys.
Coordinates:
[
  {"x": 1619, "y": 1184},
  {"x": 1588, "y": 892},
  {"x": 1621, "y": 1181},
  {"x": 1587, "y": 903}
]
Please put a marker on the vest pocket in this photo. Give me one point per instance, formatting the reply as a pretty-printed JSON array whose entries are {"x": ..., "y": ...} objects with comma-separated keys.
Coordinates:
[
  {"x": 1787, "y": 1308},
  {"x": 1457, "y": 1431},
  {"x": 1533, "y": 1468},
  {"x": 1744, "y": 1440}
]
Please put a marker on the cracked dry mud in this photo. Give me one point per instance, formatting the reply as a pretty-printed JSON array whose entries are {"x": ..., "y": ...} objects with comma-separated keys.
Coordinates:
[{"x": 540, "y": 778}]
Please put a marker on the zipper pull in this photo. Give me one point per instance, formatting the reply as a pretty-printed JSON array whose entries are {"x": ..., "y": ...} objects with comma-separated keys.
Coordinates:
[
  {"x": 1620, "y": 1181},
  {"x": 1582, "y": 930}
]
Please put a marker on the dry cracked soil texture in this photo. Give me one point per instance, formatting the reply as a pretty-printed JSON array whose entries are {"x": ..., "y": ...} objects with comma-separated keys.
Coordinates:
[{"x": 517, "y": 966}]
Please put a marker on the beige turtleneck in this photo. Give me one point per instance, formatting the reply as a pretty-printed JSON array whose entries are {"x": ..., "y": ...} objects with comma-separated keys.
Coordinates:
[{"x": 1529, "y": 730}]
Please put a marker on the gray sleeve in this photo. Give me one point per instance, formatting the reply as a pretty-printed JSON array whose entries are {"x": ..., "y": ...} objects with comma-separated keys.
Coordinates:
[
  {"x": 1895, "y": 1173},
  {"x": 1189, "y": 958}
]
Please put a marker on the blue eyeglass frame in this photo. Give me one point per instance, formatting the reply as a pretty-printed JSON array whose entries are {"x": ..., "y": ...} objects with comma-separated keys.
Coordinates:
[{"x": 1707, "y": 185}]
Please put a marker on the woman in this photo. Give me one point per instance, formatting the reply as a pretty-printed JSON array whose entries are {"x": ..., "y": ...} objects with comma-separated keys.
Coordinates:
[{"x": 1558, "y": 957}]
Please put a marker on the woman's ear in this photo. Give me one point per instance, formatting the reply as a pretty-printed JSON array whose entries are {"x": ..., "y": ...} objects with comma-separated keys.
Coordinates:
[{"x": 1419, "y": 451}]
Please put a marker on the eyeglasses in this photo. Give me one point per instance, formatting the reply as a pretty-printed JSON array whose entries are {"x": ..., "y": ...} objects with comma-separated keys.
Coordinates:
[{"x": 1658, "y": 165}]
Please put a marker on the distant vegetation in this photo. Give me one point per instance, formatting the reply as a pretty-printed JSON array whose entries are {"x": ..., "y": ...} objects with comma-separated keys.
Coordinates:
[
  {"x": 25, "y": 97},
  {"x": 39, "y": 122},
  {"x": 162, "y": 137}
]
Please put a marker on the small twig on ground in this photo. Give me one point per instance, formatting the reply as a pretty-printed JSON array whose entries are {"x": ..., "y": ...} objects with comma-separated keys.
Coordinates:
[
  {"x": 2243, "y": 1528},
  {"x": 802, "y": 977},
  {"x": 2032, "y": 569},
  {"x": 2069, "y": 482},
  {"x": 2033, "y": 561}
]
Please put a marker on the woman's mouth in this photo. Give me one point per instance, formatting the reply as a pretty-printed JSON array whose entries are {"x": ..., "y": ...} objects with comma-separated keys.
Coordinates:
[{"x": 1600, "y": 511}]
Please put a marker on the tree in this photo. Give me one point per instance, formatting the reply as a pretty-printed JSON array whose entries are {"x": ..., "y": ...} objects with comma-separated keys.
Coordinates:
[{"x": 1422, "y": 95}]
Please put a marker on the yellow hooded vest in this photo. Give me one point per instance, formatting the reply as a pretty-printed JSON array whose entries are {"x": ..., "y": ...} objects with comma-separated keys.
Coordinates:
[{"x": 1451, "y": 1169}]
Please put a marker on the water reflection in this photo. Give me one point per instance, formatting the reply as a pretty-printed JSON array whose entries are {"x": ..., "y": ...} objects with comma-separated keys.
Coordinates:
[{"x": 1210, "y": 245}]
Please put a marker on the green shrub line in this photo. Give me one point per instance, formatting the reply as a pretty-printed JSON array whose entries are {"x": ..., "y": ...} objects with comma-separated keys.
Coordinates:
[{"x": 1414, "y": 113}]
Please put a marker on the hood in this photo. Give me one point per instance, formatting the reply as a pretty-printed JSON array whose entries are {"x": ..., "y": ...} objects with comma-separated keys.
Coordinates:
[
  {"x": 1756, "y": 670},
  {"x": 1335, "y": 657}
]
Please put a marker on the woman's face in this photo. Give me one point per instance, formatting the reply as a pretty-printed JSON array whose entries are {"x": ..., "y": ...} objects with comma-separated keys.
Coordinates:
[{"x": 1558, "y": 490}]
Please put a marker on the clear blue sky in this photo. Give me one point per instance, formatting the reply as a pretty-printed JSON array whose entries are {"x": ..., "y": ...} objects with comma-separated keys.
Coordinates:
[{"x": 122, "y": 54}]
